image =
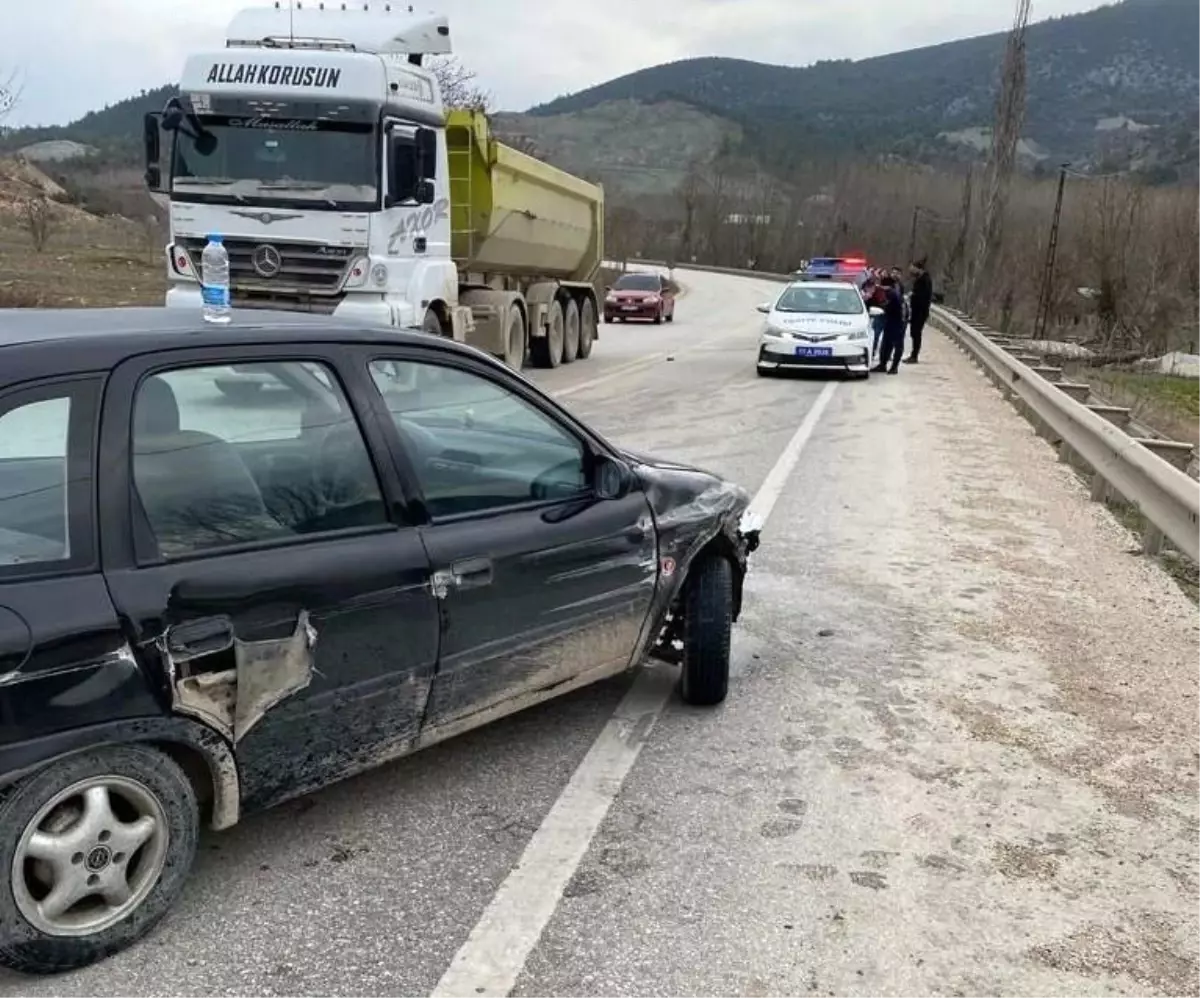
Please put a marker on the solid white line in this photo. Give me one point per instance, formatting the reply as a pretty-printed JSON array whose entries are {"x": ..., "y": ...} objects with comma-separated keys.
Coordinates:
[
  {"x": 494, "y": 954},
  {"x": 772, "y": 487}
]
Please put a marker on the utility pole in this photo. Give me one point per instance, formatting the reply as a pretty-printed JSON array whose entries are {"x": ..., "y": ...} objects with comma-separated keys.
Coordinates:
[
  {"x": 1043, "y": 309},
  {"x": 912, "y": 234}
]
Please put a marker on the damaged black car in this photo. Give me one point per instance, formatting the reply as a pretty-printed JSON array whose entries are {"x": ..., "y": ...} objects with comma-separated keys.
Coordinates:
[{"x": 238, "y": 563}]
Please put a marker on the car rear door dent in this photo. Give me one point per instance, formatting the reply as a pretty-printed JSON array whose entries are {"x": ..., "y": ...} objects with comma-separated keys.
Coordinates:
[{"x": 232, "y": 701}]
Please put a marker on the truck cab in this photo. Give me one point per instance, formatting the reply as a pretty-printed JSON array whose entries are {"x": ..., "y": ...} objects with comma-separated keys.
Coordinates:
[{"x": 315, "y": 143}]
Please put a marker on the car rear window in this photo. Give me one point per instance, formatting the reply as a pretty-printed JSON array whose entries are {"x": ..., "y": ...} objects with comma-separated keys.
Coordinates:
[{"x": 33, "y": 482}]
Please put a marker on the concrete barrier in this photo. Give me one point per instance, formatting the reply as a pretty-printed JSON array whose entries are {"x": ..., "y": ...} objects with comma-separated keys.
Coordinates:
[
  {"x": 1118, "y": 415},
  {"x": 1078, "y": 390}
]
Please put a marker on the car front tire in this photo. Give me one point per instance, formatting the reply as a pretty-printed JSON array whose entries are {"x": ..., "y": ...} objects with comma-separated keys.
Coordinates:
[
  {"x": 707, "y": 625},
  {"x": 95, "y": 849}
]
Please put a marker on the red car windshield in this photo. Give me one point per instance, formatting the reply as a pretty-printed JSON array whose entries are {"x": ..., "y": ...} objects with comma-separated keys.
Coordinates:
[{"x": 637, "y": 282}]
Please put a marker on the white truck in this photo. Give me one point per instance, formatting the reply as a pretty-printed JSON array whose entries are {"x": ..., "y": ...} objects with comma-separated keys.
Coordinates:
[{"x": 317, "y": 145}]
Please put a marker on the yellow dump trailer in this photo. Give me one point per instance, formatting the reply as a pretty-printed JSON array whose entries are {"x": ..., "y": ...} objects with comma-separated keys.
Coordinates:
[{"x": 528, "y": 240}]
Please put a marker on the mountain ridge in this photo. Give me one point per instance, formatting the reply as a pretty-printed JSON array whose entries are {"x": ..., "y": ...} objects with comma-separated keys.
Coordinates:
[{"x": 1110, "y": 89}]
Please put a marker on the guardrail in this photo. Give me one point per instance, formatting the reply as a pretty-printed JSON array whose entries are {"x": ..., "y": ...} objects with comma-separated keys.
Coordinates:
[
  {"x": 1164, "y": 494},
  {"x": 1134, "y": 468}
]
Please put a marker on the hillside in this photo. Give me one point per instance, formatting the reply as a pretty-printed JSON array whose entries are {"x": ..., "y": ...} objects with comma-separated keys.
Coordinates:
[{"x": 1115, "y": 86}]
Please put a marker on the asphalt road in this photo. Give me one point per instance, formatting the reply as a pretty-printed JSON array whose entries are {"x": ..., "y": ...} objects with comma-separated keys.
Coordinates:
[{"x": 958, "y": 757}]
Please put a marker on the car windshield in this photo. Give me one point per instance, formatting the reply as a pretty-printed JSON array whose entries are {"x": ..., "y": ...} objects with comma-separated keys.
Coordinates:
[
  {"x": 834, "y": 301},
  {"x": 329, "y": 163},
  {"x": 637, "y": 282}
]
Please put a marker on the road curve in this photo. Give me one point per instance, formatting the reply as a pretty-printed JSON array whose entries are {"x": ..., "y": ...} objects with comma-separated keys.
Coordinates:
[{"x": 958, "y": 757}]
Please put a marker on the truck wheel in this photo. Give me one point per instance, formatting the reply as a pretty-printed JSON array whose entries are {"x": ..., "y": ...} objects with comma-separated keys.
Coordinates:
[
  {"x": 547, "y": 350},
  {"x": 431, "y": 323},
  {"x": 95, "y": 849},
  {"x": 587, "y": 328},
  {"x": 707, "y": 622},
  {"x": 514, "y": 353},
  {"x": 570, "y": 332}
]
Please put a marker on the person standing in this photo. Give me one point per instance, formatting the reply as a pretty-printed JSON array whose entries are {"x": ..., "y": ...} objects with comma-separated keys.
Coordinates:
[
  {"x": 877, "y": 298},
  {"x": 920, "y": 303},
  {"x": 893, "y": 329}
]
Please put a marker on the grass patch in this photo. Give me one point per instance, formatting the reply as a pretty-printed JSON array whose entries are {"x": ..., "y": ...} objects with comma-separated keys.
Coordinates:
[
  {"x": 1185, "y": 572},
  {"x": 87, "y": 263},
  {"x": 1169, "y": 403}
]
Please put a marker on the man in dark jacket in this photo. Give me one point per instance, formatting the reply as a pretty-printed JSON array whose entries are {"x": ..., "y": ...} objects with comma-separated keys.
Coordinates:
[
  {"x": 893, "y": 328},
  {"x": 919, "y": 305}
]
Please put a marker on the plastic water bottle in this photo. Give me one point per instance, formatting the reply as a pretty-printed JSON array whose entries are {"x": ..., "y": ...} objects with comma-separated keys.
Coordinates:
[{"x": 214, "y": 277}]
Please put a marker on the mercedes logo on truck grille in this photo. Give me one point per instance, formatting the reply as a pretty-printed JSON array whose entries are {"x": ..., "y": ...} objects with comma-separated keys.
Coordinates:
[{"x": 266, "y": 260}]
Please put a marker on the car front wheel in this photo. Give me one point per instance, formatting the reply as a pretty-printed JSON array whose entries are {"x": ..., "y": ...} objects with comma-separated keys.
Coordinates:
[
  {"x": 95, "y": 849},
  {"x": 707, "y": 623}
]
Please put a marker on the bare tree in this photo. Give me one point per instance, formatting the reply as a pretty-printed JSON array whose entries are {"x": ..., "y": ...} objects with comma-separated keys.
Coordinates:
[
  {"x": 37, "y": 220},
  {"x": 458, "y": 85},
  {"x": 10, "y": 92},
  {"x": 1010, "y": 115}
]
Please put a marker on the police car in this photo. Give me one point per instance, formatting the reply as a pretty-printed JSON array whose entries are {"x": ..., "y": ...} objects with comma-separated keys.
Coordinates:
[{"x": 816, "y": 325}]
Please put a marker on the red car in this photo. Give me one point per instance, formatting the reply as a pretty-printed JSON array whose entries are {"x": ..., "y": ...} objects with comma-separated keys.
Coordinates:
[{"x": 641, "y": 296}]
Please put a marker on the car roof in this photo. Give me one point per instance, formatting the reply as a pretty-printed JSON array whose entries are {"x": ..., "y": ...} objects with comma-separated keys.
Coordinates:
[{"x": 65, "y": 340}]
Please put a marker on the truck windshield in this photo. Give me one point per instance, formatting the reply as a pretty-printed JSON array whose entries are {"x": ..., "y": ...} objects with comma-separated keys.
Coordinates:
[{"x": 263, "y": 161}]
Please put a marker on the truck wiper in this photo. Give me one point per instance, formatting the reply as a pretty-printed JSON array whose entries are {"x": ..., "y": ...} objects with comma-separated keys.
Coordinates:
[{"x": 294, "y": 185}]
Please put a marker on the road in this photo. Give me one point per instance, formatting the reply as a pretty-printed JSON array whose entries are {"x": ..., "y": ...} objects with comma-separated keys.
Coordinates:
[{"x": 958, "y": 757}]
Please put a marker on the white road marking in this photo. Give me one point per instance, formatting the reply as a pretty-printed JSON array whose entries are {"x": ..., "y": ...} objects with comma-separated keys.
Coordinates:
[
  {"x": 494, "y": 954},
  {"x": 772, "y": 487}
]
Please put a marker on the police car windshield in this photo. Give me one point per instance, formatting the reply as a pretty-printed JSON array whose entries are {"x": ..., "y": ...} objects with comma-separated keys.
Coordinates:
[
  {"x": 332, "y": 164},
  {"x": 832, "y": 301}
]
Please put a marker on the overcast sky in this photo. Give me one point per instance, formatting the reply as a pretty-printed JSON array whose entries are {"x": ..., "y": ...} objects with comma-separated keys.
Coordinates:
[{"x": 77, "y": 55}]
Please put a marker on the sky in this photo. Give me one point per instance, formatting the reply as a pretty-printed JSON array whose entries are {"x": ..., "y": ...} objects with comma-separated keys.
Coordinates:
[{"x": 74, "y": 56}]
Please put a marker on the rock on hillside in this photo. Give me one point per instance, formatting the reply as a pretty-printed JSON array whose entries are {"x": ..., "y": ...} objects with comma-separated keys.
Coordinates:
[{"x": 20, "y": 180}]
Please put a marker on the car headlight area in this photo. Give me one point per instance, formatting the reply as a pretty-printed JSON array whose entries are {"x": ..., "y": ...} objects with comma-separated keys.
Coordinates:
[{"x": 779, "y": 348}]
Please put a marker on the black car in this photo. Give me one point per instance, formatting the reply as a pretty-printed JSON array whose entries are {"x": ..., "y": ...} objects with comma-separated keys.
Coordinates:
[{"x": 213, "y": 602}]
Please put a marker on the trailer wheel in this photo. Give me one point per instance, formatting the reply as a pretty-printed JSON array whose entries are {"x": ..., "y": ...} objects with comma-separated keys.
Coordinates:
[
  {"x": 587, "y": 328},
  {"x": 514, "y": 342},
  {"x": 548, "y": 350},
  {"x": 570, "y": 332}
]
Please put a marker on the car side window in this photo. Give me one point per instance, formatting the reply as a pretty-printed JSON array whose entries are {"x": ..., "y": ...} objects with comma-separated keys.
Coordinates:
[
  {"x": 474, "y": 444},
  {"x": 34, "y": 515},
  {"x": 249, "y": 453}
]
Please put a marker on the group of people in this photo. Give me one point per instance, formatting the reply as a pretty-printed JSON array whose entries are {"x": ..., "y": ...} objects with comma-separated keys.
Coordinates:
[{"x": 900, "y": 310}]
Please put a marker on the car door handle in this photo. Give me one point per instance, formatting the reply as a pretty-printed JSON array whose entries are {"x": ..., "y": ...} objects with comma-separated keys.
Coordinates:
[
  {"x": 470, "y": 573},
  {"x": 196, "y": 638}
]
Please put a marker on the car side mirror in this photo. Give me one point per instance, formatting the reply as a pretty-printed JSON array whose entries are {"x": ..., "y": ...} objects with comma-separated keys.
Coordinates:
[
  {"x": 425, "y": 192},
  {"x": 875, "y": 310},
  {"x": 613, "y": 479},
  {"x": 764, "y": 308}
]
